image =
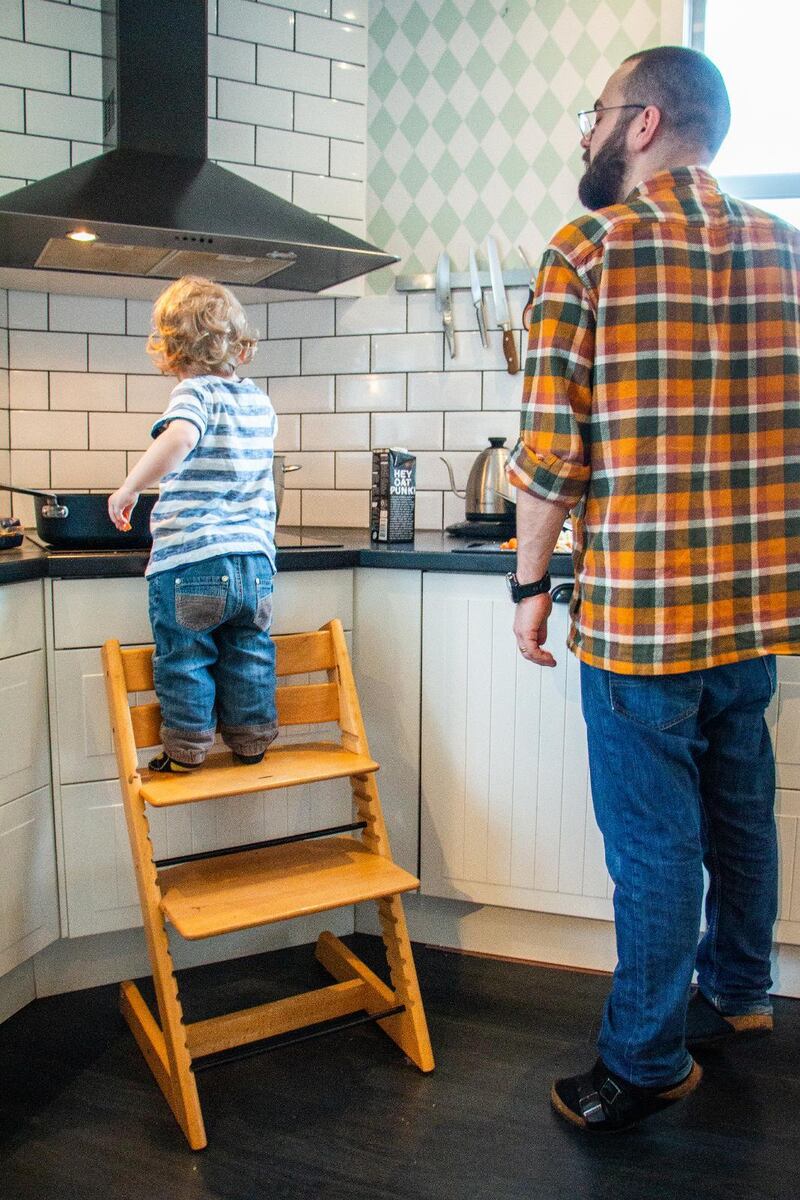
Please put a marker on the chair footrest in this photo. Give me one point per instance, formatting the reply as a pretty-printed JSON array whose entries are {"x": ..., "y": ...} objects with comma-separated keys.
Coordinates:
[
  {"x": 282, "y": 766},
  {"x": 257, "y": 887}
]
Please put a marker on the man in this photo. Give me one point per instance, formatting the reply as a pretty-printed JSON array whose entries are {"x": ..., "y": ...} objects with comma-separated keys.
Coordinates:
[{"x": 661, "y": 406}]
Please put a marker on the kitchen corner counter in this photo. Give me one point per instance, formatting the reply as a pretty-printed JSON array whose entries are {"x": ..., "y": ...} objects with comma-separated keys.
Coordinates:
[
  {"x": 323, "y": 549},
  {"x": 28, "y": 561}
]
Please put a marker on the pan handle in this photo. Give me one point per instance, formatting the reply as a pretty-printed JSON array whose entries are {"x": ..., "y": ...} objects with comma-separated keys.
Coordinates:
[{"x": 53, "y": 509}]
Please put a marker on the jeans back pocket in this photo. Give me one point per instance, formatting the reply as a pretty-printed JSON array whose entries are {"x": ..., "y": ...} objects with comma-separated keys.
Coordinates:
[
  {"x": 200, "y": 601},
  {"x": 262, "y": 615},
  {"x": 656, "y": 701}
]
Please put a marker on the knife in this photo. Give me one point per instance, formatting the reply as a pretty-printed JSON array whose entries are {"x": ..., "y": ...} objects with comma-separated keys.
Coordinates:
[
  {"x": 477, "y": 297},
  {"x": 444, "y": 301},
  {"x": 501, "y": 308},
  {"x": 527, "y": 311}
]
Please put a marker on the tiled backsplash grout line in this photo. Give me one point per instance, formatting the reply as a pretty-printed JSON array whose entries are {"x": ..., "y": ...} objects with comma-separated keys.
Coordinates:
[{"x": 334, "y": 444}]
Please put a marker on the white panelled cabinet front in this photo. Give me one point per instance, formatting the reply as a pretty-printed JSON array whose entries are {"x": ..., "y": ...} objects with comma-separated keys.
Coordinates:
[
  {"x": 29, "y": 916},
  {"x": 783, "y": 718},
  {"x": 506, "y": 809},
  {"x": 99, "y": 880}
]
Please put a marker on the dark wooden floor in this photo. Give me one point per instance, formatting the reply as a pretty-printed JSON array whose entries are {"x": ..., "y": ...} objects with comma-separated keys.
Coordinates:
[{"x": 347, "y": 1116}]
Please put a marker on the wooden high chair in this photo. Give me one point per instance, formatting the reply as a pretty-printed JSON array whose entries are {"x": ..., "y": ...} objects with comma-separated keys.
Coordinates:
[{"x": 202, "y": 895}]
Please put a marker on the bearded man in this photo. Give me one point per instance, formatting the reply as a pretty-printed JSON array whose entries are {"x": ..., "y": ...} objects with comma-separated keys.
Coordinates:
[{"x": 660, "y": 406}]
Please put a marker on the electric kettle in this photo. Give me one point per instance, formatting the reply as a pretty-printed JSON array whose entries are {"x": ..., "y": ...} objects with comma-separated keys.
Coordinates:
[{"x": 489, "y": 496}]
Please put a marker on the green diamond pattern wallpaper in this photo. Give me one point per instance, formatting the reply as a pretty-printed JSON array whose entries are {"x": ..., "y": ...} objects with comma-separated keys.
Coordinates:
[{"x": 472, "y": 127}]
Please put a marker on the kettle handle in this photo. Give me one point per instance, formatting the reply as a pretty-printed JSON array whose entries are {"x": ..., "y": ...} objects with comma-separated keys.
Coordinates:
[{"x": 453, "y": 488}]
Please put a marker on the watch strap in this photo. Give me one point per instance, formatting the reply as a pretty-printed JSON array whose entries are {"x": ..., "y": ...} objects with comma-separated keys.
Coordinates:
[{"x": 521, "y": 591}]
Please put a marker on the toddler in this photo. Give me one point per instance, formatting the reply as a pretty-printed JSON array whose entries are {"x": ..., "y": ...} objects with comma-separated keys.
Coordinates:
[{"x": 213, "y": 557}]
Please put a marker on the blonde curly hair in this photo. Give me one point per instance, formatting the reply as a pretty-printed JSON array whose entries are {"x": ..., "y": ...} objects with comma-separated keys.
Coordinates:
[{"x": 199, "y": 327}]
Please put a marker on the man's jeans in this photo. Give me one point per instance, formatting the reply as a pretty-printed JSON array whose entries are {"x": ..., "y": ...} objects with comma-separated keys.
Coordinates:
[
  {"x": 683, "y": 774},
  {"x": 214, "y": 660}
]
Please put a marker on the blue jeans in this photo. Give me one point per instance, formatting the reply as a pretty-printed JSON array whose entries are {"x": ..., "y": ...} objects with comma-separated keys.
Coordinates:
[
  {"x": 214, "y": 660},
  {"x": 683, "y": 775}
]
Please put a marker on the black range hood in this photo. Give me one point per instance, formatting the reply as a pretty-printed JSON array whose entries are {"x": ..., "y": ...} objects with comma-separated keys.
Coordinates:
[{"x": 156, "y": 206}]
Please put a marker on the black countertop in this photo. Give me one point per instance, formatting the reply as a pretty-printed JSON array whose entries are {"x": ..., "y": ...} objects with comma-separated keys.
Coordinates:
[{"x": 309, "y": 550}]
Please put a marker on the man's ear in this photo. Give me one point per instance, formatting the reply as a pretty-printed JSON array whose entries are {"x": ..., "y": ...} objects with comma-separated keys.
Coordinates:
[{"x": 644, "y": 126}]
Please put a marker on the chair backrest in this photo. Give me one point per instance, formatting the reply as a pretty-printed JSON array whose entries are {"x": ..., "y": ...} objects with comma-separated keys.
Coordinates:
[{"x": 297, "y": 703}]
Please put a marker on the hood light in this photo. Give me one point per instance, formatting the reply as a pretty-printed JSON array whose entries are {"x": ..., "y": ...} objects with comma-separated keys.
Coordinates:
[{"x": 82, "y": 235}]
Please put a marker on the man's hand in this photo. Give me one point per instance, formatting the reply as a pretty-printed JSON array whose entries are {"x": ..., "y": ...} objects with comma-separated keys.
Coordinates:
[{"x": 530, "y": 629}]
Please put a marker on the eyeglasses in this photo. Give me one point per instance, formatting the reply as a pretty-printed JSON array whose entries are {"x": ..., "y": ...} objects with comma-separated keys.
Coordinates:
[{"x": 588, "y": 118}]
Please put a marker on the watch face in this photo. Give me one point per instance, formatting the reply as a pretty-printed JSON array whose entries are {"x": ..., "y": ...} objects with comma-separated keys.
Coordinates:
[{"x": 511, "y": 584}]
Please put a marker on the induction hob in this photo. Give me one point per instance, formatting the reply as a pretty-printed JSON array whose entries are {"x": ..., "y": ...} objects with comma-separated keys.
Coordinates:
[{"x": 283, "y": 541}]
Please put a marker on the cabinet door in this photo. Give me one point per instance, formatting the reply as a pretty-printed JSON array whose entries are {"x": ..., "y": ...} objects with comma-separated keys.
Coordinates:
[
  {"x": 85, "y": 748},
  {"x": 307, "y": 599},
  {"x": 28, "y": 888},
  {"x": 86, "y": 612},
  {"x": 21, "y": 618},
  {"x": 787, "y": 816},
  {"x": 25, "y": 761},
  {"x": 506, "y": 809},
  {"x": 783, "y": 718}
]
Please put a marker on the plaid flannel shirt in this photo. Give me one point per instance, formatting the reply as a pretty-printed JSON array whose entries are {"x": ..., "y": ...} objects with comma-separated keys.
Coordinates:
[{"x": 662, "y": 404}]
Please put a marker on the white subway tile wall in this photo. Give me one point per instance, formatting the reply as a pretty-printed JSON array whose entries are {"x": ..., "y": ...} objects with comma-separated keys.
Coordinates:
[
  {"x": 288, "y": 90},
  {"x": 287, "y": 96},
  {"x": 76, "y": 408},
  {"x": 5, "y": 431}
]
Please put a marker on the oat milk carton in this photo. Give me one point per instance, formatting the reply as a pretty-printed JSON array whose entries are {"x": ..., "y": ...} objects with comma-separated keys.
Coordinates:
[{"x": 393, "y": 491}]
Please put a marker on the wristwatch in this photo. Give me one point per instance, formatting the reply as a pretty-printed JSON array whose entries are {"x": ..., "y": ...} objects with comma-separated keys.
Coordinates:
[{"x": 520, "y": 591}]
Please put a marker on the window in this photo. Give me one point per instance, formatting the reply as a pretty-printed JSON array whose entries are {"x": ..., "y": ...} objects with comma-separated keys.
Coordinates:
[{"x": 755, "y": 48}]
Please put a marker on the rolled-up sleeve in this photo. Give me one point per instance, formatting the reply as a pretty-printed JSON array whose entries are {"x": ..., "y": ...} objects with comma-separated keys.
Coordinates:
[{"x": 551, "y": 458}]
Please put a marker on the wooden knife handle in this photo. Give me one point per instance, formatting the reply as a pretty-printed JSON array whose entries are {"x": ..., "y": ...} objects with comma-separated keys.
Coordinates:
[{"x": 510, "y": 351}]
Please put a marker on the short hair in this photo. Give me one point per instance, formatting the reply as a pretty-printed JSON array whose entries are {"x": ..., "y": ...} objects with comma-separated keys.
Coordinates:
[
  {"x": 199, "y": 324},
  {"x": 687, "y": 88}
]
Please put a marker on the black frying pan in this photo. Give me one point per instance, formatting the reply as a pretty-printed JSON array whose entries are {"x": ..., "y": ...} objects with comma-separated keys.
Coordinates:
[{"x": 80, "y": 520}]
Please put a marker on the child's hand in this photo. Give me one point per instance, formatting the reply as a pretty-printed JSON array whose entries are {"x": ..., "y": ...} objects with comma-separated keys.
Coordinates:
[{"x": 120, "y": 507}]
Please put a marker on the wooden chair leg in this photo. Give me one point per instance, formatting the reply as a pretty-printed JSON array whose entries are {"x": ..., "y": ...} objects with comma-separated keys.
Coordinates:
[
  {"x": 165, "y": 1049},
  {"x": 186, "y": 1102},
  {"x": 408, "y": 1029}
]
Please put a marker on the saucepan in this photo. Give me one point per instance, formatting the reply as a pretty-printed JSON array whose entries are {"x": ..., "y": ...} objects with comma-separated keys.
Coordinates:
[
  {"x": 280, "y": 467},
  {"x": 80, "y": 520}
]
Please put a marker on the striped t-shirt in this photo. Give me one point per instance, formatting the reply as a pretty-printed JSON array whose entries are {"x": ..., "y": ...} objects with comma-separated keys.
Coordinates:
[{"x": 221, "y": 499}]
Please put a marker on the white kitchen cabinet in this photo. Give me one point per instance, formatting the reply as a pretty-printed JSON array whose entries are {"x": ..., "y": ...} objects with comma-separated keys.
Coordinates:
[
  {"x": 85, "y": 748},
  {"x": 25, "y": 761},
  {"x": 86, "y": 612},
  {"x": 29, "y": 918},
  {"x": 783, "y": 718},
  {"x": 506, "y": 812},
  {"x": 28, "y": 891},
  {"x": 387, "y": 665},
  {"x": 98, "y": 877},
  {"x": 21, "y": 618},
  {"x": 506, "y": 805}
]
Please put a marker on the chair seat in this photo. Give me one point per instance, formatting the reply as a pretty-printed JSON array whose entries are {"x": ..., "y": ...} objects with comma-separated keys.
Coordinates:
[
  {"x": 282, "y": 766},
  {"x": 256, "y": 887}
]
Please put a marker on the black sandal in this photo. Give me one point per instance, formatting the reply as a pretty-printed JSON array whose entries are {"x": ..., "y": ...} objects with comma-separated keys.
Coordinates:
[
  {"x": 706, "y": 1026},
  {"x": 602, "y": 1102}
]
